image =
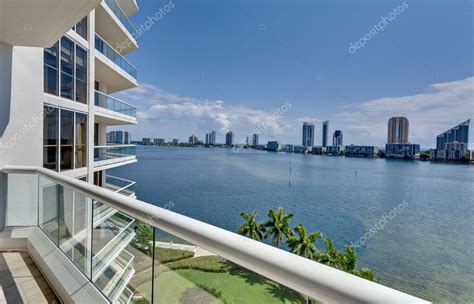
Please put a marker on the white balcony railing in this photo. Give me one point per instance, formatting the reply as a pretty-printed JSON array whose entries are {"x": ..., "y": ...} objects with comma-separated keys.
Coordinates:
[{"x": 301, "y": 275}]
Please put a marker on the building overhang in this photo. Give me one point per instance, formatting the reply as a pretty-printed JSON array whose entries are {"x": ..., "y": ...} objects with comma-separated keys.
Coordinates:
[{"x": 40, "y": 23}]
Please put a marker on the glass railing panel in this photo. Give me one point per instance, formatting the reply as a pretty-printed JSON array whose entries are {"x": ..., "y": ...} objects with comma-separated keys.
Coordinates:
[
  {"x": 114, "y": 56},
  {"x": 120, "y": 15},
  {"x": 122, "y": 263},
  {"x": 112, "y": 153},
  {"x": 185, "y": 273},
  {"x": 48, "y": 215},
  {"x": 110, "y": 103},
  {"x": 65, "y": 216},
  {"x": 75, "y": 228},
  {"x": 120, "y": 185}
]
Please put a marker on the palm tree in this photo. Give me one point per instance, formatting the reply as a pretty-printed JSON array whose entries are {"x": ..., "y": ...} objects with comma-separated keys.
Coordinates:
[
  {"x": 303, "y": 245},
  {"x": 277, "y": 226},
  {"x": 250, "y": 228}
]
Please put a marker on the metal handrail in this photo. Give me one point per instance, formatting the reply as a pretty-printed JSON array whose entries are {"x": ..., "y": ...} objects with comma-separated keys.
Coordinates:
[{"x": 316, "y": 280}]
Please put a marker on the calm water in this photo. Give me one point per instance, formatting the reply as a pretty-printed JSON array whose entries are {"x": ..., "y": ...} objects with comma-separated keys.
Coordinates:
[{"x": 425, "y": 250}]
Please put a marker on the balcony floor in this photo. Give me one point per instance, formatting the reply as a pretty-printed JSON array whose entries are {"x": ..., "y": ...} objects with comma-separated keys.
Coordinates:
[{"x": 21, "y": 281}]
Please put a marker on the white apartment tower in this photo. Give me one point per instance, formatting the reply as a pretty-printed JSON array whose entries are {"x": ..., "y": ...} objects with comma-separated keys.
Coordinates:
[{"x": 59, "y": 65}]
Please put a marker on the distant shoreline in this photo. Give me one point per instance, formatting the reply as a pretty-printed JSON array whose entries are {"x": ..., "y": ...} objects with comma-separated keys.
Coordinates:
[{"x": 243, "y": 147}]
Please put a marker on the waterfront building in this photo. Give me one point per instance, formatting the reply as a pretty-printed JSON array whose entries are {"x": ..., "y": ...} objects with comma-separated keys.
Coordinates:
[
  {"x": 59, "y": 70},
  {"x": 255, "y": 140},
  {"x": 147, "y": 141},
  {"x": 248, "y": 141},
  {"x": 288, "y": 148},
  {"x": 159, "y": 141},
  {"x": 193, "y": 139},
  {"x": 175, "y": 141},
  {"x": 229, "y": 138},
  {"x": 211, "y": 138},
  {"x": 334, "y": 150},
  {"x": 325, "y": 133},
  {"x": 362, "y": 151},
  {"x": 337, "y": 139},
  {"x": 398, "y": 128},
  {"x": 301, "y": 149},
  {"x": 118, "y": 137},
  {"x": 453, "y": 143},
  {"x": 273, "y": 146},
  {"x": 308, "y": 134},
  {"x": 402, "y": 150}
]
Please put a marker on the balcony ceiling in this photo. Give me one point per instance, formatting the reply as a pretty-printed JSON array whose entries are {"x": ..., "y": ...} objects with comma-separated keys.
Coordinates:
[{"x": 40, "y": 23}]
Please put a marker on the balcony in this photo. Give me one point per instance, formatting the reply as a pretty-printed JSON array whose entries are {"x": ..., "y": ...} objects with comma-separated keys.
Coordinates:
[
  {"x": 113, "y": 111},
  {"x": 107, "y": 157},
  {"x": 120, "y": 185},
  {"x": 112, "y": 68},
  {"x": 114, "y": 26},
  {"x": 158, "y": 270}
]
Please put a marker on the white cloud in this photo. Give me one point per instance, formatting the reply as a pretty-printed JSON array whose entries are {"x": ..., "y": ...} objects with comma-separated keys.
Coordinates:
[{"x": 166, "y": 114}]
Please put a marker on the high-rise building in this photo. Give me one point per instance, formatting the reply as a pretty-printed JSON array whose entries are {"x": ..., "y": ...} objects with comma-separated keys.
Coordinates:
[
  {"x": 308, "y": 134},
  {"x": 118, "y": 137},
  {"x": 337, "y": 139},
  {"x": 398, "y": 128},
  {"x": 229, "y": 138},
  {"x": 175, "y": 141},
  {"x": 193, "y": 139},
  {"x": 211, "y": 138},
  {"x": 255, "y": 140},
  {"x": 325, "y": 133},
  {"x": 453, "y": 143}
]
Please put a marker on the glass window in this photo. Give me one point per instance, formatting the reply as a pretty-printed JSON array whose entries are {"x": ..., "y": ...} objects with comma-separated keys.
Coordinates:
[
  {"x": 81, "y": 28},
  {"x": 51, "y": 73},
  {"x": 81, "y": 140},
  {"x": 67, "y": 68},
  {"x": 81, "y": 75},
  {"x": 67, "y": 139},
  {"x": 50, "y": 138}
]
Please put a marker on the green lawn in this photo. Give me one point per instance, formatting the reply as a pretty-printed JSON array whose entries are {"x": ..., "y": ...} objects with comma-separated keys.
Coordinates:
[{"x": 216, "y": 281}]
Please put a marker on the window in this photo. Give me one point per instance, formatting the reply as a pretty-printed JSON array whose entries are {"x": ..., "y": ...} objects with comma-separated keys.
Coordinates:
[
  {"x": 81, "y": 28},
  {"x": 81, "y": 75},
  {"x": 67, "y": 65},
  {"x": 50, "y": 138},
  {"x": 81, "y": 140},
  {"x": 65, "y": 71},
  {"x": 65, "y": 139},
  {"x": 51, "y": 72}
]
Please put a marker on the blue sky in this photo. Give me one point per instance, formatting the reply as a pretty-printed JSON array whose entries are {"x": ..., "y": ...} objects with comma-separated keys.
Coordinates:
[{"x": 218, "y": 65}]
